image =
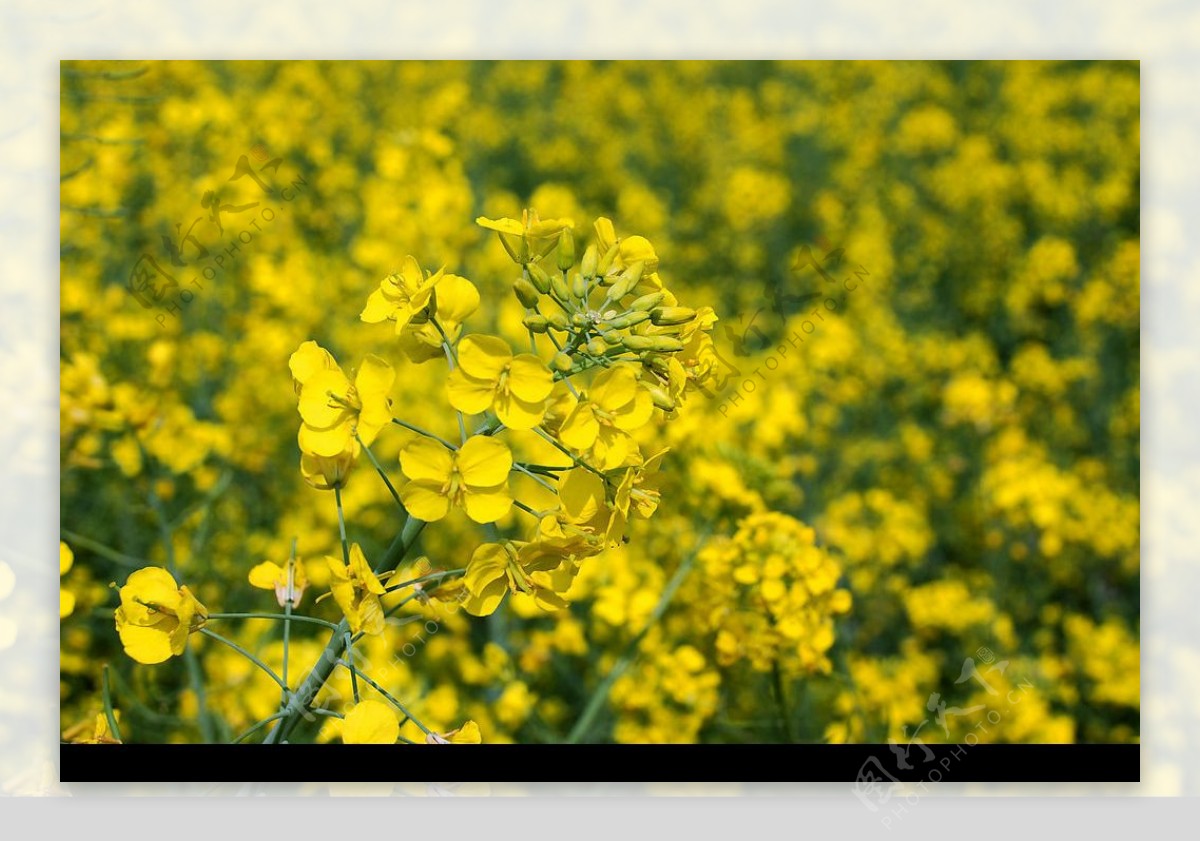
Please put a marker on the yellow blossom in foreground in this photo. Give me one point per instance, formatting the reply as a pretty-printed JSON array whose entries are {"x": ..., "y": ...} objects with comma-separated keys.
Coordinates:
[
  {"x": 156, "y": 616},
  {"x": 370, "y": 722},
  {"x": 517, "y": 567},
  {"x": 527, "y": 238},
  {"x": 456, "y": 299},
  {"x": 402, "y": 297},
  {"x": 490, "y": 377},
  {"x": 356, "y": 589},
  {"x": 474, "y": 477},
  {"x": 326, "y": 473},
  {"x": 600, "y": 423},
  {"x": 334, "y": 409}
]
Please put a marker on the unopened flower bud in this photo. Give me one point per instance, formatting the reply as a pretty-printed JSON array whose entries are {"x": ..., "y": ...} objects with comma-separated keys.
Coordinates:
[
  {"x": 612, "y": 337},
  {"x": 526, "y": 292},
  {"x": 566, "y": 250},
  {"x": 587, "y": 266},
  {"x": 628, "y": 320},
  {"x": 558, "y": 321},
  {"x": 661, "y": 399},
  {"x": 606, "y": 261},
  {"x": 536, "y": 322},
  {"x": 597, "y": 346},
  {"x": 665, "y": 344},
  {"x": 578, "y": 287},
  {"x": 558, "y": 287},
  {"x": 562, "y": 362},
  {"x": 540, "y": 278},
  {"x": 672, "y": 315},
  {"x": 647, "y": 302},
  {"x": 639, "y": 343}
]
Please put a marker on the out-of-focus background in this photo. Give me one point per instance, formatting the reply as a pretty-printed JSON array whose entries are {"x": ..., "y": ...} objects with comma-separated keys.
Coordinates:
[{"x": 927, "y": 277}]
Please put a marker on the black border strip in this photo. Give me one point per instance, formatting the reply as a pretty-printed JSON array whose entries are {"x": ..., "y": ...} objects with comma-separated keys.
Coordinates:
[{"x": 871, "y": 768}]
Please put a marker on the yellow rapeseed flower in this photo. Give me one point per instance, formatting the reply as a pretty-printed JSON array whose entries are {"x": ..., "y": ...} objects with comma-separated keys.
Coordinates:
[
  {"x": 474, "y": 477},
  {"x": 489, "y": 376},
  {"x": 370, "y": 722},
  {"x": 288, "y": 581},
  {"x": 402, "y": 296},
  {"x": 615, "y": 404},
  {"x": 356, "y": 589},
  {"x": 333, "y": 408},
  {"x": 156, "y": 616}
]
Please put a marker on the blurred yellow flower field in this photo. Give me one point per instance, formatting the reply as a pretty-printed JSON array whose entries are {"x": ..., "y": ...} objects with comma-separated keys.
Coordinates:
[{"x": 432, "y": 402}]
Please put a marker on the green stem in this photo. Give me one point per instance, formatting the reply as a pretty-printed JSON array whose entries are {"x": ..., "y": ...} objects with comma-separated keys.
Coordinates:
[
  {"x": 781, "y": 702},
  {"x": 429, "y": 577},
  {"x": 245, "y": 654},
  {"x": 382, "y": 475},
  {"x": 396, "y": 702},
  {"x": 106, "y": 695},
  {"x": 518, "y": 467},
  {"x": 295, "y": 618},
  {"x": 105, "y": 551},
  {"x": 566, "y": 452},
  {"x": 424, "y": 433},
  {"x": 257, "y": 725},
  {"x": 196, "y": 680},
  {"x": 298, "y": 702}
]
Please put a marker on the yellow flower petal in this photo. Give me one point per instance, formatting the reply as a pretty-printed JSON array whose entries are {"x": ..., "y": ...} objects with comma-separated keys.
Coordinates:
[
  {"x": 321, "y": 398},
  {"x": 374, "y": 378},
  {"x": 66, "y": 603},
  {"x": 467, "y": 734},
  {"x": 614, "y": 388},
  {"x": 487, "y": 505},
  {"x": 424, "y": 500},
  {"x": 517, "y": 414},
  {"x": 370, "y": 722},
  {"x": 308, "y": 359},
  {"x": 146, "y": 645},
  {"x": 580, "y": 428},
  {"x": 426, "y": 460},
  {"x": 504, "y": 226},
  {"x": 529, "y": 378},
  {"x": 378, "y": 308},
  {"x": 581, "y": 493},
  {"x": 329, "y": 442},
  {"x": 482, "y": 356},
  {"x": 457, "y": 299},
  {"x": 469, "y": 394},
  {"x": 65, "y": 558},
  {"x": 636, "y": 413},
  {"x": 484, "y": 461},
  {"x": 266, "y": 575}
]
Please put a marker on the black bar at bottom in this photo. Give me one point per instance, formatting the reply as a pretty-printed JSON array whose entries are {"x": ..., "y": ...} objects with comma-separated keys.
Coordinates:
[{"x": 869, "y": 766}]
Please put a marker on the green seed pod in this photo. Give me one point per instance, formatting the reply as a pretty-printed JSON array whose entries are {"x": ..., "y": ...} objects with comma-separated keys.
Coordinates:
[
  {"x": 647, "y": 302},
  {"x": 540, "y": 278},
  {"x": 590, "y": 260},
  {"x": 672, "y": 315},
  {"x": 562, "y": 362},
  {"x": 526, "y": 292},
  {"x": 596, "y": 347},
  {"x": 536, "y": 322},
  {"x": 566, "y": 250},
  {"x": 558, "y": 321}
]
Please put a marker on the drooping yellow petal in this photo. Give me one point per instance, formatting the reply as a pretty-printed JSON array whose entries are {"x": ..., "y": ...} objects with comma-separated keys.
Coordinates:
[
  {"x": 517, "y": 414},
  {"x": 487, "y": 505},
  {"x": 484, "y": 461},
  {"x": 504, "y": 225},
  {"x": 370, "y": 722},
  {"x": 378, "y": 308},
  {"x": 457, "y": 299},
  {"x": 426, "y": 460},
  {"x": 374, "y": 378},
  {"x": 469, "y": 394},
  {"x": 412, "y": 275},
  {"x": 580, "y": 428},
  {"x": 488, "y": 563},
  {"x": 581, "y": 493},
  {"x": 266, "y": 575},
  {"x": 145, "y": 644},
  {"x": 529, "y": 378},
  {"x": 424, "y": 500},
  {"x": 467, "y": 734},
  {"x": 151, "y": 586},
  {"x": 482, "y": 356},
  {"x": 329, "y": 442}
]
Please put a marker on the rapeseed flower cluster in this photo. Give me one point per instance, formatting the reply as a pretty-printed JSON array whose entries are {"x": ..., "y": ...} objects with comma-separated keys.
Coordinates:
[{"x": 781, "y": 407}]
